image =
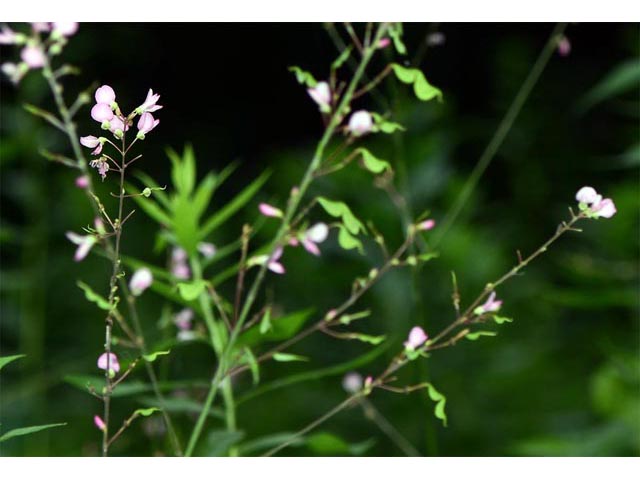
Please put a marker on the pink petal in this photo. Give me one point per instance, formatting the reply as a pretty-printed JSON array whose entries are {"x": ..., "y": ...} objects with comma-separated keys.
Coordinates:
[{"x": 101, "y": 112}]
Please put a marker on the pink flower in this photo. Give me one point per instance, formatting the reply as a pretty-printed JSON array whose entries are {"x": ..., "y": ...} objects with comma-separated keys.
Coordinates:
[
  {"x": 112, "y": 363},
  {"x": 149, "y": 104},
  {"x": 117, "y": 125},
  {"x": 564, "y": 46},
  {"x": 491, "y": 305},
  {"x": 270, "y": 211},
  {"x": 321, "y": 94},
  {"x": 274, "y": 265},
  {"x": 181, "y": 271},
  {"x": 352, "y": 382},
  {"x": 140, "y": 281},
  {"x": 82, "y": 181},
  {"x": 65, "y": 28},
  {"x": 7, "y": 36},
  {"x": 606, "y": 208},
  {"x": 105, "y": 94},
  {"x": 92, "y": 142},
  {"x": 207, "y": 249},
  {"x": 84, "y": 242},
  {"x": 588, "y": 195},
  {"x": 101, "y": 112},
  {"x": 99, "y": 423},
  {"x": 384, "y": 42},
  {"x": 427, "y": 224},
  {"x": 316, "y": 234},
  {"x": 183, "y": 319},
  {"x": 179, "y": 255},
  {"x": 102, "y": 165},
  {"x": 360, "y": 123},
  {"x": 40, "y": 26},
  {"x": 416, "y": 338},
  {"x": 33, "y": 56},
  {"x": 146, "y": 124}
]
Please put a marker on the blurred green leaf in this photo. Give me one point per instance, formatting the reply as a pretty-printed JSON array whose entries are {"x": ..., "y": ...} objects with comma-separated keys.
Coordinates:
[
  {"x": 348, "y": 241},
  {"x": 373, "y": 163},
  {"x": 146, "y": 412},
  {"x": 476, "y": 335},
  {"x": 189, "y": 291},
  {"x": 341, "y": 210},
  {"x": 93, "y": 297},
  {"x": 18, "y": 432},
  {"x": 303, "y": 77},
  {"x": 218, "y": 442},
  {"x": 153, "y": 356},
  {"x": 289, "y": 357},
  {"x": 625, "y": 77},
  {"x": 440, "y": 400},
  {"x": 282, "y": 328},
  {"x": 270, "y": 441},
  {"x": 8, "y": 359},
  {"x": 421, "y": 87}
]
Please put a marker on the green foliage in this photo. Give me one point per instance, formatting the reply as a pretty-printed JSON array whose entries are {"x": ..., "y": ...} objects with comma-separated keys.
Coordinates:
[
  {"x": 348, "y": 241},
  {"x": 153, "y": 356},
  {"x": 343, "y": 57},
  {"x": 476, "y": 335},
  {"x": 440, "y": 400},
  {"x": 373, "y": 163},
  {"x": 341, "y": 210},
  {"x": 329, "y": 444},
  {"x": 8, "y": 359},
  {"x": 373, "y": 340},
  {"x": 218, "y": 442},
  {"x": 625, "y": 77},
  {"x": 421, "y": 87},
  {"x": 500, "y": 320},
  {"x": 395, "y": 32},
  {"x": 189, "y": 291},
  {"x": 18, "y": 432},
  {"x": 289, "y": 357},
  {"x": 303, "y": 77},
  {"x": 254, "y": 366},
  {"x": 146, "y": 412},
  {"x": 93, "y": 297}
]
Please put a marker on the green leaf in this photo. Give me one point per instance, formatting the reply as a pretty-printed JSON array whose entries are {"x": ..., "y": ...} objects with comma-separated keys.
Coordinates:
[
  {"x": 421, "y": 87},
  {"x": 151, "y": 208},
  {"x": 373, "y": 163},
  {"x": 253, "y": 365},
  {"x": 341, "y": 210},
  {"x": 440, "y": 400},
  {"x": 93, "y": 297},
  {"x": 343, "y": 57},
  {"x": 153, "y": 356},
  {"x": 183, "y": 172},
  {"x": 282, "y": 328},
  {"x": 189, "y": 291},
  {"x": 303, "y": 77},
  {"x": 145, "y": 412},
  {"x": 389, "y": 127},
  {"x": 265, "y": 322},
  {"x": 239, "y": 201},
  {"x": 623, "y": 78},
  {"x": 203, "y": 194},
  {"x": 327, "y": 444},
  {"x": 18, "y": 432},
  {"x": 425, "y": 257},
  {"x": 270, "y": 441},
  {"x": 8, "y": 359},
  {"x": 289, "y": 357},
  {"x": 500, "y": 320},
  {"x": 475, "y": 335},
  {"x": 395, "y": 32},
  {"x": 180, "y": 405},
  {"x": 131, "y": 387},
  {"x": 348, "y": 241},
  {"x": 373, "y": 340}
]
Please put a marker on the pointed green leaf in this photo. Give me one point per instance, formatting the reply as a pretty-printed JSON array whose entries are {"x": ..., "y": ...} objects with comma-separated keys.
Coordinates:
[
  {"x": 348, "y": 241},
  {"x": 189, "y": 291},
  {"x": 289, "y": 357},
  {"x": 341, "y": 210},
  {"x": 424, "y": 90},
  {"x": 425, "y": 257},
  {"x": 404, "y": 74},
  {"x": 145, "y": 412},
  {"x": 343, "y": 57},
  {"x": 395, "y": 32},
  {"x": 476, "y": 335},
  {"x": 203, "y": 194},
  {"x": 8, "y": 359},
  {"x": 373, "y": 163},
  {"x": 265, "y": 322},
  {"x": 253, "y": 365},
  {"x": 153, "y": 356},
  {"x": 373, "y": 340},
  {"x": 500, "y": 320},
  {"x": 93, "y": 297},
  {"x": 303, "y": 77},
  {"x": 18, "y": 432},
  {"x": 440, "y": 400}
]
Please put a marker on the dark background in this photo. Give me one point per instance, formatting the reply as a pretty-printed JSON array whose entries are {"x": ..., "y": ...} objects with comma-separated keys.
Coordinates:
[{"x": 563, "y": 379}]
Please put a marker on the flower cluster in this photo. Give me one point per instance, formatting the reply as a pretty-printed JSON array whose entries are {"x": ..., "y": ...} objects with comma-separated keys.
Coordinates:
[
  {"x": 35, "y": 49},
  {"x": 593, "y": 205},
  {"x": 491, "y": 305}
]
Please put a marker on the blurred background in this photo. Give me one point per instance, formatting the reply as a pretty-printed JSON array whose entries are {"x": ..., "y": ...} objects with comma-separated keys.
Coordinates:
[{"x": 562, "y": 379}]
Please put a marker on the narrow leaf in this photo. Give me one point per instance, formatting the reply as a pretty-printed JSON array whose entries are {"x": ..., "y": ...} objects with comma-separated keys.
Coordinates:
[
  {"x": 153, "y": 356},
  {"x": 8, "y": 359},
  {"x": 93, "y": 297},
  {"x": 145, "y": 412},
  {"x": 289, "y": 357},
  {"x": 18, "y": 432},
  {"x": 476, "y": 335}
]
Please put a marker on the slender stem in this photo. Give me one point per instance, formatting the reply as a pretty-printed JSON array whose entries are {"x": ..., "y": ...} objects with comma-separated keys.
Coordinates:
[
  {"x": 338, "y": 408},
  {"x": 388, "y": 429},
  {"x": 293, "y": 204},
  {"x": 500, "y": 134}
]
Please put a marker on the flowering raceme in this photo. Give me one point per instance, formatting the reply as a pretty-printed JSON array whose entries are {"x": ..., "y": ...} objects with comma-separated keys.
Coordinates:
[{"x": 592, "y": 203}]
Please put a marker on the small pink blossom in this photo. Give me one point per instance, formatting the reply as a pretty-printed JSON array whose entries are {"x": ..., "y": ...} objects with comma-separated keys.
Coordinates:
[
  {"x": 140, "y": 281},
  {"x": 331, "y": 314},
  {"x": 360, "y": 123},
  {"x": 384, "y": 42},
  {"x": 65, "y": 29},
  {"x": 146, "y": 124},
  {"x": 270, "y": 211},
  {"x": 181, "y": 271},
  {"x": 564, "y": 46},
  {"x": 321, "y": 94},
  {"x": 105, "y": 94},
  {"x": 84, "y": 242},
  {"x": 7, "y": 36},
  {"x": 316, "y": 234},
  {"x": 41, "y": 26},
  {"x": 491, "y": 305},
  {"x": 149, "y": 104},
  {"x": 427, "y": 224},
  {"x": 82, "y": 181},
  {"x": 33, "y": 56},
  {"x": 179, "y": 255},
  {"x": 101, "y": 112},
  {"x": 112, "y": 363},
  {"x": 117, "y": 125},
  {"x": 368, "y": 382},
  {"x": 588, "y": 195},
  {"x": 606, "y": 208},
  {"x": 92, "y": 142},
  {"x": 183, "y": 319},
  {"x": 352, "y": 382},
  {"x": 208, "y": 250},
  {"x": 417, "y": 337},
  {"x": 102, "y": 165},
  {"x": 99, "y": 423},
  {"x": 274, "y": 265}
]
